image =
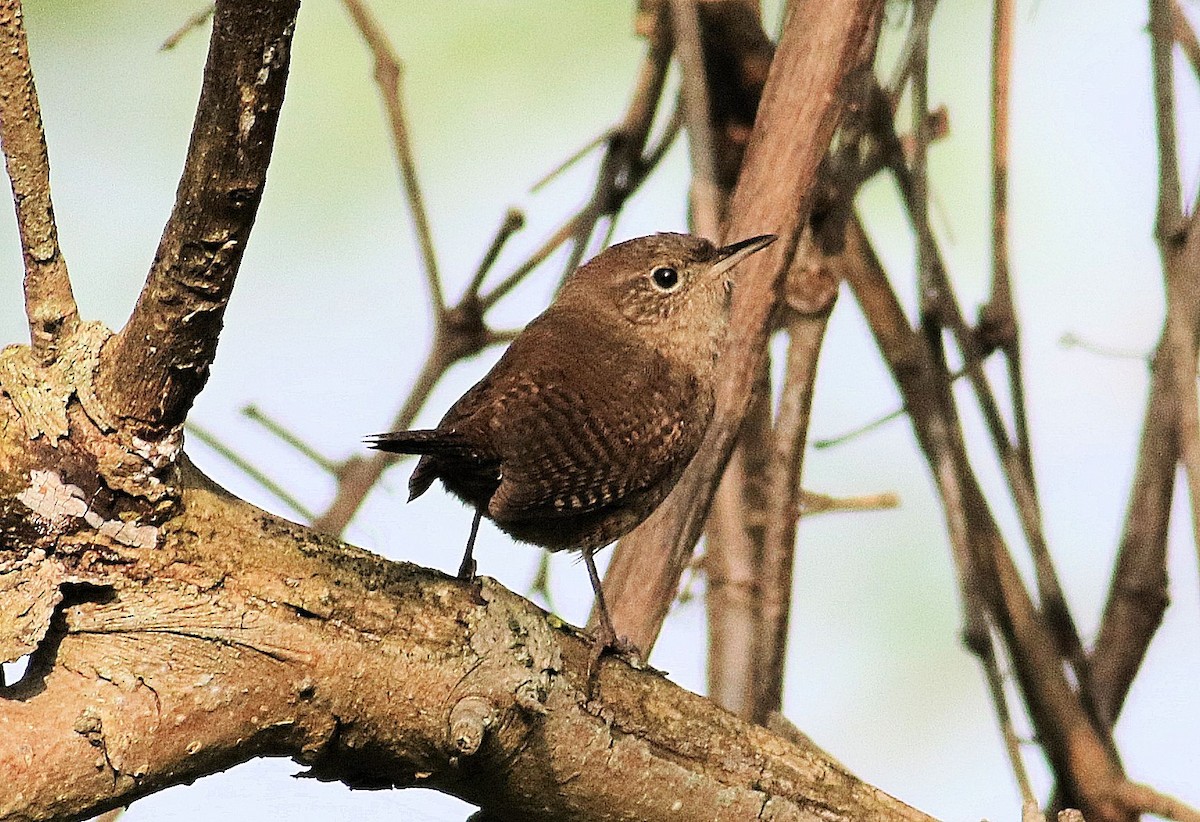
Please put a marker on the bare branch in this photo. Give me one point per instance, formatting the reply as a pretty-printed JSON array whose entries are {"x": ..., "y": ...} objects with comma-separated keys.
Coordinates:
[
  {"x": 1179, "y": 246},
  {"x": 992, "y": 589},
  {"x": 194, "y": 22},
  {"x": 250, "y": 470},
  {"x": 152, "y": 371},
  {"x": 389, "y": 72},
  {"x": 823, "y": 43},
  {"x": 706, "y": 205},
  {"x": 1137, "y": 595},
  {"x": 253, "y": 412},
  {"x": 940, "y": 309},
  {"x": 49, "y": 302},
  {"x": 358, "y": 477},
  {"x": 812, "y": 503},
  {"x": 732, "y": 560},
  {"x": 783, "y": 509}
]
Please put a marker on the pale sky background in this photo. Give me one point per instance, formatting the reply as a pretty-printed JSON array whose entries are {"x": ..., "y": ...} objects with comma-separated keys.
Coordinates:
[{"x": 329, "y": 323}]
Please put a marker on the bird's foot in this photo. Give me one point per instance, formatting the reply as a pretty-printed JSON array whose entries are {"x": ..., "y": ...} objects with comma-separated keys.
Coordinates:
[
  {"x": 466, "y": 571},
  {"x": 605, "y": 641}
]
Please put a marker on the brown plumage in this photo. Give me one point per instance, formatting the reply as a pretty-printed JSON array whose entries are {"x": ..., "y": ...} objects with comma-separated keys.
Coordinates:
[{"x": 587, "y": 421}]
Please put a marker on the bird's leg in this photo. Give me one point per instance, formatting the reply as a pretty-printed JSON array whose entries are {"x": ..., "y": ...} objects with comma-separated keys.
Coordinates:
[
  {"x": 466, "y": 570},
  {"x": 606, "y": 638}
]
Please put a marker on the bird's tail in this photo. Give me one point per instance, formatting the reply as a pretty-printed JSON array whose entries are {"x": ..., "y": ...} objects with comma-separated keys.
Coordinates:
[
  {"x": 423, "y": 441},
  {"x": 431, "y": 445}
]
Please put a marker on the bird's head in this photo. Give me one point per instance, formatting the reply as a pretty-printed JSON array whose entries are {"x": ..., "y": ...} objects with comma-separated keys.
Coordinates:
[{"x": 671, "y": 290}]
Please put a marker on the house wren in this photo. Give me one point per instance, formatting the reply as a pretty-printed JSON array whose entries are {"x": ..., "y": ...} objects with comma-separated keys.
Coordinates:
[{"x": 587, "y": 421}]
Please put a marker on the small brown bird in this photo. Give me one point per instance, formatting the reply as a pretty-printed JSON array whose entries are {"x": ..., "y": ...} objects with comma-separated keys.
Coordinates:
[{"x": 588, "y": 420}]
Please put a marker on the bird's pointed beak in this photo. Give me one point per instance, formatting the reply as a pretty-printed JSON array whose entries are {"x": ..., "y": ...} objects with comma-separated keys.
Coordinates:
[{"x": 731, "y": 255}]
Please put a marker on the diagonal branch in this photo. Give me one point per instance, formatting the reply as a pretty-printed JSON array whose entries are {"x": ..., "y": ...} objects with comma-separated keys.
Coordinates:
[
  {"x": 389, "y": 72},
  {"x": 823, "y": 44},
  {"x": 153, "y": 369},
  {"x": 49, "y": 303}
]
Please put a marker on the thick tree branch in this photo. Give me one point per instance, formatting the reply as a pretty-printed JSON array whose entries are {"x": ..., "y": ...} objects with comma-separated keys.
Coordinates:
[
  {"x": 154, "y": 368},
  {"x": 243, "y": 635},
  {"x": 823, "y": 44},
  {"x": 49, "y": 303}
]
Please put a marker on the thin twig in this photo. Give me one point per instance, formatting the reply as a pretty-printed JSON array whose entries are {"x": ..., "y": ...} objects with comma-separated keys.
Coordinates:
[
  {"x": 513, "y": 222},
  {"x": 357, "y": 478},
  {"x": 389, "y": 73},
  {"x": 49, "y": 303},
  {"x": 540, "y": 584},
  {"x": 1072, "y": 340},
  {"x": 930, "y": 295},
  {"x": 812, "y": 503},
  {"x": 998, "y": 318},
  {"x": 253, "y": 412},
  {"x": 1142, "y": 799},
  {"x": 1012, "y": 740},
  {"x": 593, "y": 144},
  {"x": 194, "y": 22},
  {"x": 623, "y": 168},
  {"x": 246, "y": 467},
  {"x": 563, "y": 233}
]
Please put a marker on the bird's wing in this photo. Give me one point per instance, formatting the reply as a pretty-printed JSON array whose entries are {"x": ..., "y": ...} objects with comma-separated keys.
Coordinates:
[{"x": 571, "y": 446}]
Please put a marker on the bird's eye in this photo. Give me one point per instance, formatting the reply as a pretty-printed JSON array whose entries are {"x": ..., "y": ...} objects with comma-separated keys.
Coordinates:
[{"x": 665, "y": 278}]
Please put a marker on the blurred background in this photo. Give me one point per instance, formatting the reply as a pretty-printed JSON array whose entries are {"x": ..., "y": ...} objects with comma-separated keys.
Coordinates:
[{"x": 330, "y": 323}]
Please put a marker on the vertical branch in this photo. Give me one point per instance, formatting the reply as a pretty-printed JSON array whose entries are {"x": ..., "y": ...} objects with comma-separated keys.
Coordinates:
[
  {"x": 1179, "y": 246},
  {"x": 1001, "y": 72},
  {"x": 736, "y": 55},
  {"x": 998, "y": 319},
  {"x": 1137, "y": 595},
  {"x": 705, "y": 194},
  {"x": 783, "y": 496},
  {"x": 931, "y": 292},
  {"x": 733, "y": 561},
  {"x": 49, "y": 302}
]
